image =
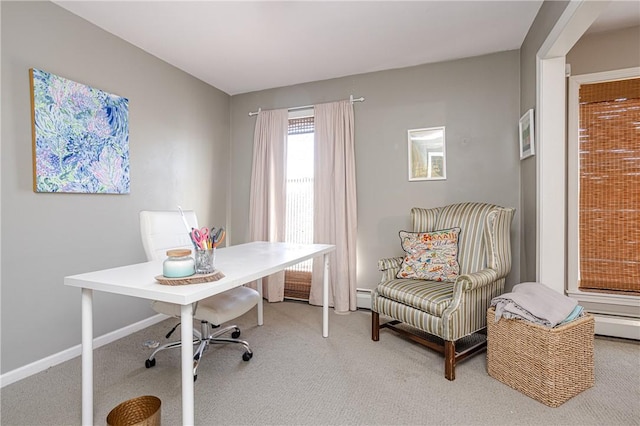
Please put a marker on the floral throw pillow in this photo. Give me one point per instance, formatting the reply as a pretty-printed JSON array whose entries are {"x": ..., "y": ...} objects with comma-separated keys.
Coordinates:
[{"x": 430, "y": 256}]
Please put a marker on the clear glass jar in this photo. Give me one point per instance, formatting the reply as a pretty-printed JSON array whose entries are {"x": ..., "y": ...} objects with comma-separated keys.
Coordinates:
[
  {"x": 205, "y": 261},
  {"x": 178, "y": 264}
]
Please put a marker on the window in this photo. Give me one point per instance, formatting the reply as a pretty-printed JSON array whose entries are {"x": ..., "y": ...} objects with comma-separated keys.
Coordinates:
[{"x": 299, "y": 202}]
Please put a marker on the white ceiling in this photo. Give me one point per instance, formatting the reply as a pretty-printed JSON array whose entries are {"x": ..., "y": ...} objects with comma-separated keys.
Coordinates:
[{"x": 244, "y": 46}]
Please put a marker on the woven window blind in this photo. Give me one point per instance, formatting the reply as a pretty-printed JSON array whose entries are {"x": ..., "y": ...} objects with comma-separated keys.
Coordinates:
[
  {"x": 609, "y": 175},
  {"x": 299, "y": 126}
]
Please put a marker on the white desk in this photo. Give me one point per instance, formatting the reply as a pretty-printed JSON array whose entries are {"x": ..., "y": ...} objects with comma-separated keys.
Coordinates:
[{"x": 240, "y": 264}]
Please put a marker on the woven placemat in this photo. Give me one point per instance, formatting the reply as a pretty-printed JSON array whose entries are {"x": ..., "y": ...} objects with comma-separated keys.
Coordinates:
[{"x": 193, "y": 279}]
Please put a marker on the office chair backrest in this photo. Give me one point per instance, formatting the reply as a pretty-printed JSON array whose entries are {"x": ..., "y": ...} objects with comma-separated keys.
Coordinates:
[{"x": 165, "y": 230}]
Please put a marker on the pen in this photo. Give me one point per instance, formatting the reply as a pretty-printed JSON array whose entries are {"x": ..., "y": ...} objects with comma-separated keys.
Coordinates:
[{"x": 184, "y": 220}]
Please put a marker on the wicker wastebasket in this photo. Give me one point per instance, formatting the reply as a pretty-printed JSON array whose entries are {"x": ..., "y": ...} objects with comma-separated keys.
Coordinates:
[
  {"x": 550, "y": 365},
  {"x": 141, "y": 411}
]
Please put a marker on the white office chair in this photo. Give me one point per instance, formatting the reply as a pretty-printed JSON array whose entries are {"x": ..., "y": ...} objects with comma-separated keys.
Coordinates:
[{"x": 165, "y": 230}]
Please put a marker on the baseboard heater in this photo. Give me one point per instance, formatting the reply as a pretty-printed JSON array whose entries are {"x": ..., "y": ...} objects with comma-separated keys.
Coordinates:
[{"x": 363, "y": 298}]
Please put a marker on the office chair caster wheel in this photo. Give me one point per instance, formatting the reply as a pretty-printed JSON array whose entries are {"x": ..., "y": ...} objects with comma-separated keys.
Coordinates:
[
  {"x": 247, "y": 356},
  {"x": 150, "y": 363},
  {"x": 235, "y": 334}
]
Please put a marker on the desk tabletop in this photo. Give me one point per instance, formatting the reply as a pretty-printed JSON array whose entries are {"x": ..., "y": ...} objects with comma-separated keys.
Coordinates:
[{"x": 240, "y": 264}]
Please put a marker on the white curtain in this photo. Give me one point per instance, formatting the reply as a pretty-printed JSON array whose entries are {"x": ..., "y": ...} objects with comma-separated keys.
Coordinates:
[
  {"x": 268, "y": 189},
  {"x": 335, "y": 220}
]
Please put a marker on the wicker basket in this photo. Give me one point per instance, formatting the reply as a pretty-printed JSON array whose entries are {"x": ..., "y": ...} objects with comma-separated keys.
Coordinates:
[
  {"x": 141, "y": 411},
  {"x": 550, "y": 365}
]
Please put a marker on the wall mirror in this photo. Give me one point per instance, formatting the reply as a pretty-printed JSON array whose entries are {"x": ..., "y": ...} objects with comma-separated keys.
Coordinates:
[{"x": 427, "y": 160}]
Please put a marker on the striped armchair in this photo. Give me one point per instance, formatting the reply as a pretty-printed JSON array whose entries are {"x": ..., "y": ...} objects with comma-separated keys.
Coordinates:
[{"x": 448, "y": 310}]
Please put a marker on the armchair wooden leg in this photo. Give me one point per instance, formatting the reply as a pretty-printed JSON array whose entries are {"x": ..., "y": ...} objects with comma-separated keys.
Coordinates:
[
  {"x": 449, "y": 360},
  {"x": 375, "y": 326}
]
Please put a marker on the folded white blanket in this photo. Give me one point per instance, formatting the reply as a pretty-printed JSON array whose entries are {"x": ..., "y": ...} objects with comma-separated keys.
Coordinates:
[{"x": 534, "y": 302}]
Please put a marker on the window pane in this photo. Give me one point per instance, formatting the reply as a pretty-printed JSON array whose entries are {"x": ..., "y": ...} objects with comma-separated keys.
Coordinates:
[{"x": 299, "y": 209}]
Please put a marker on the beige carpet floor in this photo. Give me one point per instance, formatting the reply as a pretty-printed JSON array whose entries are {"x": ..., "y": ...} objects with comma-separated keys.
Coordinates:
[{"x": 296, "y": 377}]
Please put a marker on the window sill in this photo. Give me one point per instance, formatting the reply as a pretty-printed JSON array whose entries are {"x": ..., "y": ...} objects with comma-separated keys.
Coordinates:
[{"x": 608, "y": 304}]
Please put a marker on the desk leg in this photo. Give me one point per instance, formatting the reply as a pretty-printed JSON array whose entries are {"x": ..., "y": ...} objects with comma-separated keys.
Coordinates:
[
  {"x": 260, "y": 306},
  {"x": 325, "y": 297},
  {"x": 87, "y": 357},
  {"x": 186, "y": 331}
]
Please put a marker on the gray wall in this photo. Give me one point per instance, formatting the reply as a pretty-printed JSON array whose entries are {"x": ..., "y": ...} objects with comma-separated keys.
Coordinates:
[
  {"x": 606, "y": 51},
  {"x": 547, "y": 17},
  {"x": 478, "y": 101},
  {"x": 179, "y": 135}
]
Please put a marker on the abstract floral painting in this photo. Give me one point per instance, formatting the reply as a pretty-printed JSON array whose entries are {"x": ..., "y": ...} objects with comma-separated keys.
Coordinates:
[{"x": 80, "y": 137}]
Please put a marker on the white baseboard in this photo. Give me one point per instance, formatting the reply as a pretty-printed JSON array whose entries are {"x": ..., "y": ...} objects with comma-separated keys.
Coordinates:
[
  {"x": 60, "y": 357},
  {"x": 616, "y": 315},
  {"x": 628, "y": 328},
  {"x": 363, "y": 298}
]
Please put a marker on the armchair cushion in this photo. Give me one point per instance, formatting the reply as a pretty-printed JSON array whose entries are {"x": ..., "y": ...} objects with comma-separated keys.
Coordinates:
[
  {"x": 430, "y": 256},
  {"x": 428, "y": 296}
]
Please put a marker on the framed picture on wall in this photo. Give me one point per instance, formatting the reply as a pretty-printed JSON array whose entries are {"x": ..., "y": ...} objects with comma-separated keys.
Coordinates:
[{"x": 527, "y": 139}]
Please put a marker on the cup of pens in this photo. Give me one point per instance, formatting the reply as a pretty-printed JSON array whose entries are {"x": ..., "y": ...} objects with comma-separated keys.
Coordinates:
[{"x": 205, "y": 241}]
